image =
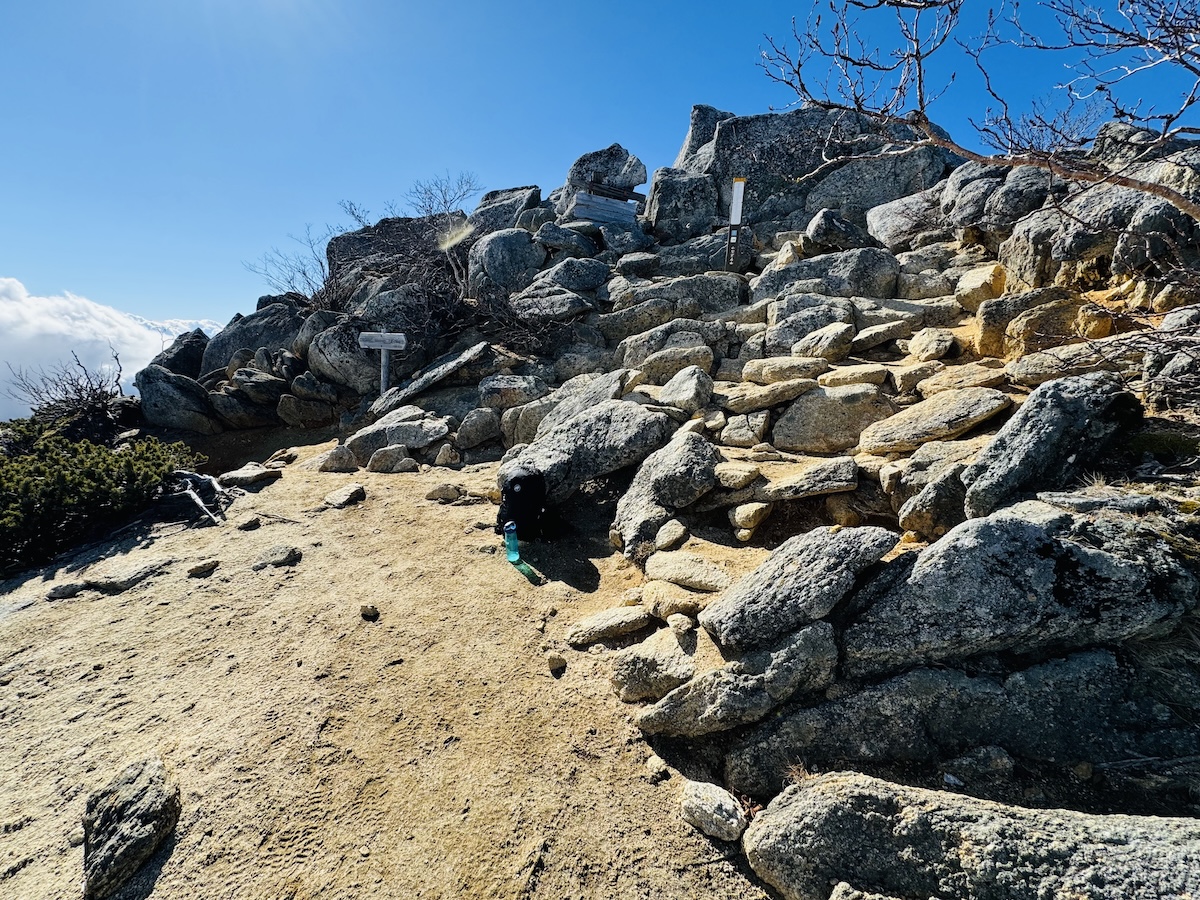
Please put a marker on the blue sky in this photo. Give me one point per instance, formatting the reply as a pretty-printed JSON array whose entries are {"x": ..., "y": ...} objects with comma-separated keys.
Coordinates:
[{"x": 154, "y": 146}]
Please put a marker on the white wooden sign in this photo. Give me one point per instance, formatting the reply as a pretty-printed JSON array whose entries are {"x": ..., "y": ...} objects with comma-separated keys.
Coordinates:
[
  {"x": 382, "y": 340},
  {"x": 385, "y": 342}
]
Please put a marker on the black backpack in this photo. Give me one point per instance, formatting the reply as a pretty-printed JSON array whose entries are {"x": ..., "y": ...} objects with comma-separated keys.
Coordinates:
[{"x": 523, "y": 500}]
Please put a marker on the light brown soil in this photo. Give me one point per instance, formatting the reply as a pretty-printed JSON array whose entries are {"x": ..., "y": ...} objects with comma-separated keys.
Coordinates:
[{"x": 429, "y": 754}]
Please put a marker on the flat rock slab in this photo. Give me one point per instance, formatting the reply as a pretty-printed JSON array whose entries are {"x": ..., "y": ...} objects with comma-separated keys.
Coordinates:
[
  {"x": 441, "y": 368},
  {"x": 942, "y": 417},
  {"x": 277, "y": 556},
  {"x": 345, "y": 496},
  {"x": 799, "y": 583},
  {"x": 687, "y": 570},
  {"x": 745, "y": 690},
  {"x": 249, "y": 474},
  {"x": 911, "y": 842},
  {"x": 608, "y": 623},
  {"x": 119, "y": 582},
  {"x": 747, "y": 397},
  {"x": 124, "y": 823},
  {"x": 1085, "y": 706},
  {"x": 806, "y": 478},
  {"x": 969, "y": 375}
]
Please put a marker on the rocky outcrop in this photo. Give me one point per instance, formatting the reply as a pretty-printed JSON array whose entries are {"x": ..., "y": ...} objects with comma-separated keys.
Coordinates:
[
  {"x": 175, "y": 401},
  {"x": 125, "y": 823},
  {"x": 909, "y": 842},
  {"x": 272, "y": 326}
]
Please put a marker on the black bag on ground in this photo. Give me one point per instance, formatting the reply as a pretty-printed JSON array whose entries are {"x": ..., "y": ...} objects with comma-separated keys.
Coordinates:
[{"x": 523, "y": 500}]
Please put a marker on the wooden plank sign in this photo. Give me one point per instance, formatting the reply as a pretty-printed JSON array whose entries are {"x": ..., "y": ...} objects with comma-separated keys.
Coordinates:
[
  {"x": 385, "y": 342},
  {"x": 382, "y": 340}
]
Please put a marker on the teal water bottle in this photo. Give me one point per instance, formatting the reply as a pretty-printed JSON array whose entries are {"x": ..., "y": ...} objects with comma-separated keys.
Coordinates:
[{"x": 510, "y": 542}]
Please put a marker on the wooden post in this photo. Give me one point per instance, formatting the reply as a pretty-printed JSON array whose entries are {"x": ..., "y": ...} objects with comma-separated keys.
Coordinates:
[{"x": 385, "y": 342}]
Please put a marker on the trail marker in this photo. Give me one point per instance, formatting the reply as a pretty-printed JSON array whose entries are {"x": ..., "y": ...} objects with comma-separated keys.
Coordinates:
[
  {"x": 735, "y": 223},
  {"x": 385, "y": 342}
]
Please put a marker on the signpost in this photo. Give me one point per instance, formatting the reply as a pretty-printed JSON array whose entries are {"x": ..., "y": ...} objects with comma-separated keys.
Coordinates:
[
  {"x": 735, "y": 223},
  {"x": 385, "y": 342}
]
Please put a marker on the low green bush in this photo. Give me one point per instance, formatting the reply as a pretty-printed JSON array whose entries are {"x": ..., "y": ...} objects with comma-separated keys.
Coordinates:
[{"x": 56, "y": 492}]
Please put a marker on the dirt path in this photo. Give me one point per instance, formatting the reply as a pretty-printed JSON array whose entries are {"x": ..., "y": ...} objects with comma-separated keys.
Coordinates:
[{"x": 429, "y": 754}]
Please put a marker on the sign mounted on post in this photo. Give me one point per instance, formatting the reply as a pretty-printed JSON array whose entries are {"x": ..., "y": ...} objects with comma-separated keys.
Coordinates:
[
  {"x": 385, "y": 342},
  {"x": 735, "y": 223}
]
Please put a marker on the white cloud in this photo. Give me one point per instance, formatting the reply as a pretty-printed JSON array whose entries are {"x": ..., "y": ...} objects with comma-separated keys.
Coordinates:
[{"x": 41, "y": 332}]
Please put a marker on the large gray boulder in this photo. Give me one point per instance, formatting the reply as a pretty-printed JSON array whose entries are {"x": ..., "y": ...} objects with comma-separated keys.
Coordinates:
[
  {"x": 798, "y": 584},
  {"x": 598, "y": 441},
  {"x": 273, "y": 326},
  {"x": 745, "y": 690},
  {"x": 1085, "y": 706},
  {"x": 670, "y": 479},
  {"x": 681, "y": 205},
  {"x": 185, "y": 356},
  {"x": 865, "y": 272},
  {"x": 237, "y": 410},
  {"x": 125, "y": 822},
  {"x": 175, "y": 401},
  {"x": 585, "y": 392},
  {"x": 1056, "y": 434},
  {"x": 503, "y": 263},
  {"x": 830, "y": 419},
  {"x": 1027, "y": 579},
  {"x": 780, "y": 148},
  {"x": 498, "y": 210},
  {"x": 898, "y": 223},
  {"x": 911, "y": 842},
  {"x": 335, "y": 356},
  {"x": 1101, "y": 230}
]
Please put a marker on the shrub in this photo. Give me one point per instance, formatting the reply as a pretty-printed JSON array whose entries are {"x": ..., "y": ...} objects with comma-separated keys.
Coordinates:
[{"x": 55, "y": 492}]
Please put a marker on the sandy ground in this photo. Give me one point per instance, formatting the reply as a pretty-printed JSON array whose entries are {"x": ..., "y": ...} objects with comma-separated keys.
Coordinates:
[{"x": 429, "y": 754}]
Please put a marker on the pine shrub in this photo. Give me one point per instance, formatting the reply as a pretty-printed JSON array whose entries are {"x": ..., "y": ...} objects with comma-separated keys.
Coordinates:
[{"x": 55, "y": 492}]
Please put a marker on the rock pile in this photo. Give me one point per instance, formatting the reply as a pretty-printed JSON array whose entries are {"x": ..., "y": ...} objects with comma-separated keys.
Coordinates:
[{"x": 914, "y": 353}]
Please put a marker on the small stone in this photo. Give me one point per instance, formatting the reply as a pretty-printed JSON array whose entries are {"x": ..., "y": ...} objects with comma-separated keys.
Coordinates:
[
  {"x": 203, "y": 569},
  {"x": 607, "y": 624},
  {"x": 340, "y": 459},
  {"x": 250, "y": 524},
  {"x": 665, "y": 600},
  {"x": 279, "y": 555},
  {"x": 66, "y": 591},
  {"x": 713, "y": 810},
  {"x": 556, "y": 662},
  {"x": 656, "y": 769},
  {"x": 671, "y": 535},
  {"x": 749, "y": 515},
  {"x": 369, "y": 612},
  {"x": 681, "y": 624},
  {"x": 346, "y": 496},
  {"x": 444, "y": 493},
  {"x": 446, "y": 456}
]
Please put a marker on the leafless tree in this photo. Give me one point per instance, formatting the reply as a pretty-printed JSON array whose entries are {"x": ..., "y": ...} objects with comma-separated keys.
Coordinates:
[
  {"x": 69, "y": 393},
  {"x": 829, "y": 63},
  {"x": 442, "y": 194}
]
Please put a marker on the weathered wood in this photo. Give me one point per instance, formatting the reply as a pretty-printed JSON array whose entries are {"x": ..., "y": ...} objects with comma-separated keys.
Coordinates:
[
  {"x": 382, "y": 340},
  {"x": 616, "y": 193},
  {"x": 601, "y": 209}
]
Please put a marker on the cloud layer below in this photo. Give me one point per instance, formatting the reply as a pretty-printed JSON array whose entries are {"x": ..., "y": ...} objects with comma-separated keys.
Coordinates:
[{"x": 42, "y": 332}]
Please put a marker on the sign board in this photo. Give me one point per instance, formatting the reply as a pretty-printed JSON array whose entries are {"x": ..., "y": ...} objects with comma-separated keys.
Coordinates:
[
  {"x": 735, "y": 205},
  {"x": 382, "y": 340}
]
